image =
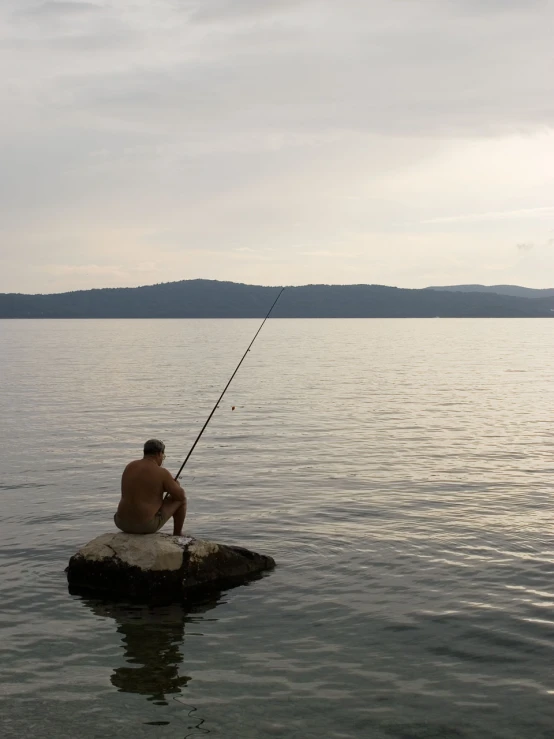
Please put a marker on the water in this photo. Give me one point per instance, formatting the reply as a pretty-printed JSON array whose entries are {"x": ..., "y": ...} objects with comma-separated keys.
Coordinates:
[{"x": 399, "y": 471}]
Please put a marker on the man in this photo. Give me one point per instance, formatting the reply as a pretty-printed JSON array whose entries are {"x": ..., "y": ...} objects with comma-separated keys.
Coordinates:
[{"x": 142, "y": 508}]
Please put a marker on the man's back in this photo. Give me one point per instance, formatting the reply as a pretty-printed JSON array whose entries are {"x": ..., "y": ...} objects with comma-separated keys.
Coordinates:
[
  {"x": 142, "y": 489},
  {"x": 142, "y": 508}
]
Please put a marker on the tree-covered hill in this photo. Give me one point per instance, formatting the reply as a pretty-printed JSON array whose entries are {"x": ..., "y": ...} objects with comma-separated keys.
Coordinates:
[
  {"x": 515, "y": 291},
  {"x": 214, "y": 299}
]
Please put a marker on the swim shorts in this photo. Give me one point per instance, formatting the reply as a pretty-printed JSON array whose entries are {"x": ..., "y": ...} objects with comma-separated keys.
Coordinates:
[{"x": 150, "y": 527}]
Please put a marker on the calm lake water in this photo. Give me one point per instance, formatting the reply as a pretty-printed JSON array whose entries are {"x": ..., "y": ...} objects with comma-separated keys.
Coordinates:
[{"x": 399, "y": 471}]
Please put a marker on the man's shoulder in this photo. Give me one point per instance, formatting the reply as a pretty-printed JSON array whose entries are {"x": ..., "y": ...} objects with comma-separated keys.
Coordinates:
[
  {"x": 134, "y": 463},
  {"x": 142, "y": 468}
]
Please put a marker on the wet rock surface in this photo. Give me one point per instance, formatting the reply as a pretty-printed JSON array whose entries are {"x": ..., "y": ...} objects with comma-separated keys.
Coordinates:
[{"x": 160, "y": 567}]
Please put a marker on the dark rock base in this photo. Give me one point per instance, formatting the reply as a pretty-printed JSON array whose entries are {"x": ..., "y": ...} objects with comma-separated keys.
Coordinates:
[{"x": 160, "y": 568}]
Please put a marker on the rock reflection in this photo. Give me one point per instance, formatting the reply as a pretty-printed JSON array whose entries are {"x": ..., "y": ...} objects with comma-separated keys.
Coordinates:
[{"x": 153, "y": 639}]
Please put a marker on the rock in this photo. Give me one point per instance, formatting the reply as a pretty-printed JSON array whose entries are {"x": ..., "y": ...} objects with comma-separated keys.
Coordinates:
[{"x": 156, "y": 567}]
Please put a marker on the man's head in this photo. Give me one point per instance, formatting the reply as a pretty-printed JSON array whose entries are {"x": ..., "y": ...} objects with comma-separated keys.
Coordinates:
[{"x": 156, "y": 449}]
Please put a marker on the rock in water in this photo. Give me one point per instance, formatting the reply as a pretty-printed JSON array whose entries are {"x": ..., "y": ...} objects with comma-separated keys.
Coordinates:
[{"x": 160, "y": 566}]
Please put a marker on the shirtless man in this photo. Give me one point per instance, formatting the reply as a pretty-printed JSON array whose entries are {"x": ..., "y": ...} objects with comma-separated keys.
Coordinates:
[{"x": 142, "y": 508}]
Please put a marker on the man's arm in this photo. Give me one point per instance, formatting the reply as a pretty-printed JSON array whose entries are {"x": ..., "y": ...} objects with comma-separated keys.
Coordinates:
[{"x": 172, "y": 487}]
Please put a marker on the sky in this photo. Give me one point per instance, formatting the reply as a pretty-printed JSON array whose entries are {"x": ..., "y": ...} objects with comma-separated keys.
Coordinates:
[{"x": 276, "y": 142}]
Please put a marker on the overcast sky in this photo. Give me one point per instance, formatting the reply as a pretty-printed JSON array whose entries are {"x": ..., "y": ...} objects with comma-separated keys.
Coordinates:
[{"x": 401, "y": 142}]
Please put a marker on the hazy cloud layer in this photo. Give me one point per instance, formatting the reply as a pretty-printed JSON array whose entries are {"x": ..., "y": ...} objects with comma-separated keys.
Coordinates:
[{"x": 407, "y": 142}]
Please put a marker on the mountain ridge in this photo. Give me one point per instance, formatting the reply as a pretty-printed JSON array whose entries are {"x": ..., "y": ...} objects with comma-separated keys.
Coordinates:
[
  {"x": 516, "y": 291},
  {"x": 224, "y": 299}
]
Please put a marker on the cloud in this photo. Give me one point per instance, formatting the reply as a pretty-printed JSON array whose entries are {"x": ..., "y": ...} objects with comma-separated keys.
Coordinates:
[
  {"x": 99, "y": 270},
  {"x": 310, "y": 128},
  {"x": 238, "y": 10},
  {"x": 406, "y": 68},
  {"x": 81, "y": 269},
  {"x": 525, "y": 246},
  {"x": 496, "y": 215},
  {"x": 332, "y": 254},
  {"x": 53, "y": 8}
]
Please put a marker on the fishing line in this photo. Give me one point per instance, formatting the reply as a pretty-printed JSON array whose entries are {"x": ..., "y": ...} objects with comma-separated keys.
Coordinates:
[{"x": 226, "y": 386}]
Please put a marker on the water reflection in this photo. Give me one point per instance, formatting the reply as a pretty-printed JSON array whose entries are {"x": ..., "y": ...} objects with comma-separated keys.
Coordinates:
[{"x": 153, "y": 638}]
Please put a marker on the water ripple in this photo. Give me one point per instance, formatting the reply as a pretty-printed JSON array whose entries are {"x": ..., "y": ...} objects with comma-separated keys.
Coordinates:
[{"x": 400, "y": 473}]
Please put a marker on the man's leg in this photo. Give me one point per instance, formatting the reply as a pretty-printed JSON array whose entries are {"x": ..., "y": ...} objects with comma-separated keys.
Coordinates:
[
  {"x": 177, "y": 509},
  {"x": 179, "y": 518}
]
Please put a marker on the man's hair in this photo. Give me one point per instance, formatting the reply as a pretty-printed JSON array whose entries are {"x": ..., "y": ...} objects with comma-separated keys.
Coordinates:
[{"x": 154, "y": 446}]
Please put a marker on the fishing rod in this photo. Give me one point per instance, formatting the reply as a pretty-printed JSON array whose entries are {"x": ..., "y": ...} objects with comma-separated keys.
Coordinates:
[{"x": 226, "y": 386}]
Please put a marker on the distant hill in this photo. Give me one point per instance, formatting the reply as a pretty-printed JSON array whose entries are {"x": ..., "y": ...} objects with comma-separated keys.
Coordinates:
[
  {"x": 214, "y": 299},
  {"x": 514, "y": 290}
]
